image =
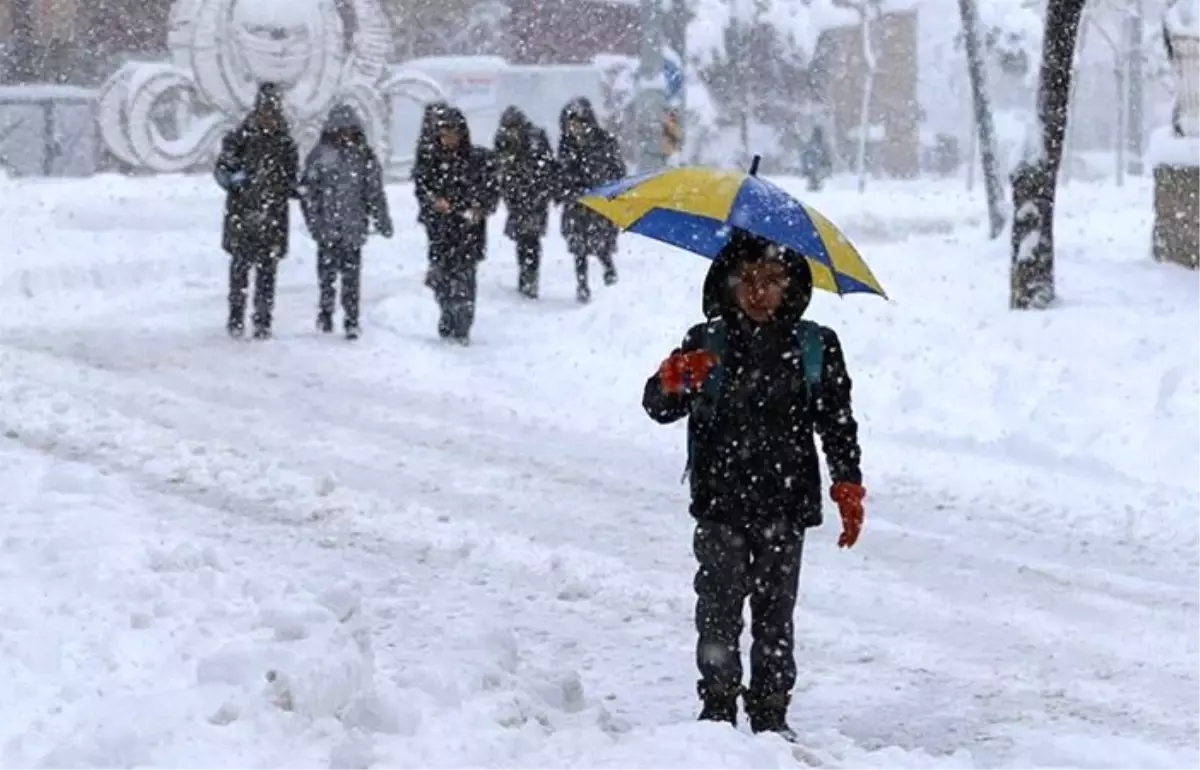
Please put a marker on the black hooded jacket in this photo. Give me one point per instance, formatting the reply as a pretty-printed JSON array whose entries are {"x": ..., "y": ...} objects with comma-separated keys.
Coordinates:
[
  {"x": 257, "y": 168},
  {"x": 342, "y": 187},
  {"x": 526, "y": 171},
  {"x": 585, "y": 162},
  {"x": 754, "y": 457},
  {"x": 465, "y": 177}
]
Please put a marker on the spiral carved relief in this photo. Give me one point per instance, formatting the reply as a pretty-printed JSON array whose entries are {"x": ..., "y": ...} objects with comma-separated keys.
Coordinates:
[{"x": 170, "y": 116}]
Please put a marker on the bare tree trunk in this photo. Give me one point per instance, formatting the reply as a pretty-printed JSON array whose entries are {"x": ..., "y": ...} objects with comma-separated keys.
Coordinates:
[
  {"x": 24, "y": 42},
  {"x": 972, "y": 152},
  {"x": 1035, "y": 178},
  {"x": 982, "y": 102},
  {"x": 1073, "y": 127}
]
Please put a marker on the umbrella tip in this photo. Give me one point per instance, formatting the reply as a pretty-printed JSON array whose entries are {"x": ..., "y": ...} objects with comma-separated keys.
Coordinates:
[{"x": 754, "y": 165}]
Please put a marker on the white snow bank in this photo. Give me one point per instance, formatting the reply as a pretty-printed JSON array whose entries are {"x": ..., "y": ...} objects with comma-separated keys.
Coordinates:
[
  {"x": 1166, "y": 149},
  {"x": 140, "y": 658}
]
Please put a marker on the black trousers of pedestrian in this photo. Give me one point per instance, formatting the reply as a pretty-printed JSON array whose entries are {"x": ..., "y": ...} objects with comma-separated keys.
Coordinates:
[
  {"x": 454, "y": 286},
  {"x": 529, "y": 263},
  {"x": 758, "y": 563},
  {"x": 336, "y": 260},
  {"x": 599, "y": 241},
  {"x": 264, "y": 269}
]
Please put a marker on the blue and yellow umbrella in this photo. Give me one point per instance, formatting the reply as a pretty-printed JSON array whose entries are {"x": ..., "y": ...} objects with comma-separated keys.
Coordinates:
[{"x": 697, "y": 208}]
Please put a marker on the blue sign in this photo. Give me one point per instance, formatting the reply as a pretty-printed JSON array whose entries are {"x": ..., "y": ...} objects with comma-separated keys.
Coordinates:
[{"x": 673, "y": 75}]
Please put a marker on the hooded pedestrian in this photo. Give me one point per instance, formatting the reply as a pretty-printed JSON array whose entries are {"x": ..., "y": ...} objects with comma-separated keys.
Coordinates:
[
  {"x": 427, "y": 141},
  {"x": 525, "y": 169},
  {"x": 342, "y": 195},
  {"x": 257, "y": 168},
  {"x": 588, "y": 156},
  {"x": 816, "y": 159},
  {"x": 455, "y": 185},
  {"x": 756, "y": 381}
]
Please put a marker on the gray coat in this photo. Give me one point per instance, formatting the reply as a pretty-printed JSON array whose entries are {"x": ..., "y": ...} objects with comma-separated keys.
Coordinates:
[{"x": 342, "y": 185}]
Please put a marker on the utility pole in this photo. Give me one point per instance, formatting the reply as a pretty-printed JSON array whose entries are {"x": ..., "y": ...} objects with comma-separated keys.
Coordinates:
[
  {"x": 650, "y": 96},
  {"x": 1135, "y": 81}
]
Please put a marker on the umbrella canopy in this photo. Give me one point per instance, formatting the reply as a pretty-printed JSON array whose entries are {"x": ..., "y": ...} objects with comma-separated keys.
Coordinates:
[{"x": 697, "y": 208}]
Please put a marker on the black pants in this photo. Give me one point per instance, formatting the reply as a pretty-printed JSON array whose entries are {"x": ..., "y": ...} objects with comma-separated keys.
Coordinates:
[
  {"x": 264, "y": 291},
  {"x": 736, "y": 563},
  {"x": 529, "y": 262},
  {"x": 334, "y": 260},
  {"x": 452, "y": 278},
  {"x": 581, "y": 266}
]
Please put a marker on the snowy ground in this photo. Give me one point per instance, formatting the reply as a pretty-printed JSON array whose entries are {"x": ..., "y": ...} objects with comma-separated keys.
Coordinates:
[{"x": 480, "y": 557}]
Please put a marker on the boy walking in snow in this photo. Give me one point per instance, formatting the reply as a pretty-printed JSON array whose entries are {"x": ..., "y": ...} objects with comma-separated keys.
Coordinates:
[
  {"x": 341, "y": 196},
  {"x": 455, "y": 185},
  {"x": 755, "y": 382},
  {"x": 257, "y": 170}
]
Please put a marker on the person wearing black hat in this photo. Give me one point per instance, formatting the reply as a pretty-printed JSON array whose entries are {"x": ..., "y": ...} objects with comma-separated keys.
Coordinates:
[
  {"x": 257, "y": 168},
  {"x": 756, "y": 381}
]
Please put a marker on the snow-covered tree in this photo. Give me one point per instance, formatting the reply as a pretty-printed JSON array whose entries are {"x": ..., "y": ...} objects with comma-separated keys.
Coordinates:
[
  {"x": 982, "y": 109},
  {"x": 754, "y": 58},
  {"x": 1013, "y": 34},
  {"x": 1035, "y": 179}
]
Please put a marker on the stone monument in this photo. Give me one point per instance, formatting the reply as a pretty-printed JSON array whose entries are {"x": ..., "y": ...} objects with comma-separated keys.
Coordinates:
[
  {"x": 1175, "y": 149},
  {"x": 170, "y": 116}
]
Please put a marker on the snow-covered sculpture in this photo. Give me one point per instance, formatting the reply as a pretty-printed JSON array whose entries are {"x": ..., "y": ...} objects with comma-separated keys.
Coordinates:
[
  {"x": 169, "y": 116},
  {"x": 1181, "y": 31}
]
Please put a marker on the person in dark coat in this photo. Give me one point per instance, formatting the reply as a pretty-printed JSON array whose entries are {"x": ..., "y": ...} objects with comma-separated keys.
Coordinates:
[
  {"x": 526, "y": 172},
  {"x": 342, "y": 195},
  {"x": 257, "y": 168},
  {"x": 426, "y": 144},
  {"x": 816, "y": 159},
  {"x": 741, "y": 380},
  {"x": 455, "y": 185},
  {"x": 588, "y": 156}
]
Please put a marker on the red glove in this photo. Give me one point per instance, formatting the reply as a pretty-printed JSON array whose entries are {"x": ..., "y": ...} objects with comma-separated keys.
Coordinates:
[
  {"x": 684, "y": 372},
  {"x": 849, "y": 499}
]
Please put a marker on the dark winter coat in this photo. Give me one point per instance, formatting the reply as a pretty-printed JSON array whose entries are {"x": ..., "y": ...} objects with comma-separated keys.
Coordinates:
[
  {"x": 466, "y": 178},
  {"x": 342, "y": 187},
  {"x": 586, "y": 162},
  {"x": 754, "y": 457},
  {"x": 526, "y": 173},
  {"x": 257, "y": 168},
  {"x": 432, "y": 115}
]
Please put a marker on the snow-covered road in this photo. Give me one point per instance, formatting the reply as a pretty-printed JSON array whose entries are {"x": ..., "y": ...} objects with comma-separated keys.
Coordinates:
[{"x": 422, "y": 542}]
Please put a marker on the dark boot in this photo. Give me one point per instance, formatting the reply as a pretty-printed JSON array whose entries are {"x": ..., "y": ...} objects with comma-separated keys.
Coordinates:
[
  {"x": 720, "y": 704},
  {"x": 239, "y": 283},
  {"x": 610, "y": 271},
  {"x": 529, "y": 258},
  {"x": 582, "y": 292},
  {"x": 324, "y": 322},
  {"x": 768, "y": 714}
]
